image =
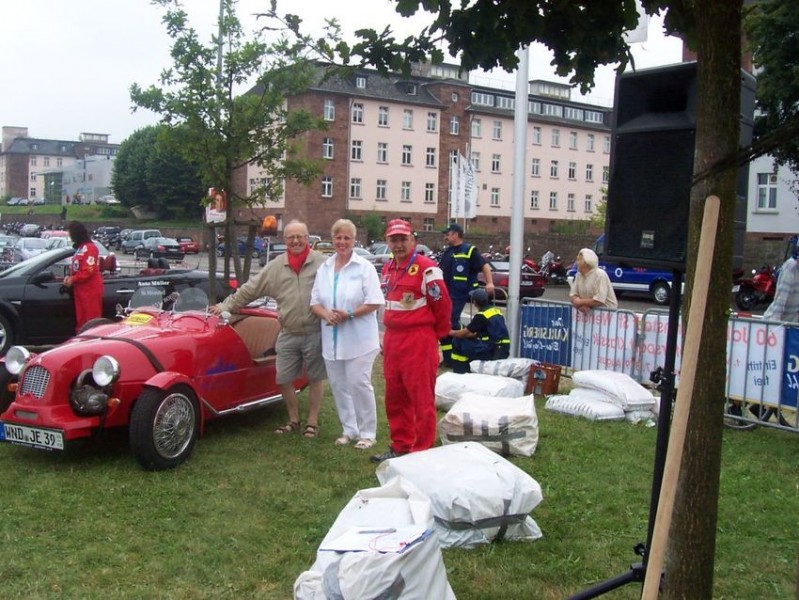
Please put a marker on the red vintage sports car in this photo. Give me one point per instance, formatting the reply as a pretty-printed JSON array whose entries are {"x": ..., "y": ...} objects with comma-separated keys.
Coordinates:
[{"x": 164, "y": 369}]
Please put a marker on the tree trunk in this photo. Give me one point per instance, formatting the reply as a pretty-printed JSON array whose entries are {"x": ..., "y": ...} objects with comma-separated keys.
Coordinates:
[{"x": 692, "y": 538}]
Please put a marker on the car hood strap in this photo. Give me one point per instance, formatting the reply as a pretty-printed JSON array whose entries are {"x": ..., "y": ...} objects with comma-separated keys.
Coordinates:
[{"x": 144, "y": 349}]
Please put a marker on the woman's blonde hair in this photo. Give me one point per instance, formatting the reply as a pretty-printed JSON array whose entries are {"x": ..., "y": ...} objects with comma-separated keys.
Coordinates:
[{"x": 343, "y": 224}]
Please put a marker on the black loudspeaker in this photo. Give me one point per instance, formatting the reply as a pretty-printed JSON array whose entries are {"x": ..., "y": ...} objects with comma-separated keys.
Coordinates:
[{"x": 651, "y": 166}]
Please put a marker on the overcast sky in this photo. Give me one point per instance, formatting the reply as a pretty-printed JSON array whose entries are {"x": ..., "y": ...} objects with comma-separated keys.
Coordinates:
[{"x": 67, "y": 66}]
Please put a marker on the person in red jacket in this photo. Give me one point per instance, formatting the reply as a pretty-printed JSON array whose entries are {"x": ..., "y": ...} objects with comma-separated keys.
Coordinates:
[
  {"x": 85, "y": 279},
  {"x": 417, "y": 313}
]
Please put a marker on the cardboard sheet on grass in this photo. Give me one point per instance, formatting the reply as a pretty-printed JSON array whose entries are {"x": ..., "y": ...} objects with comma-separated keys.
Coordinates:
[
  {"x": 451, "y": 386},
  {"x": 505, "y": 425},
  {"x": 476, "y": 495},
  {"x": 394, "y": 561}
]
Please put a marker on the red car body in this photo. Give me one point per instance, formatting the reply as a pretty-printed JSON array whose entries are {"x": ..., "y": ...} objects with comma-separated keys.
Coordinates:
[
  {"x": 188, "y": 245},
  {"x": 176, "y": 371},
  {"x": 531, "y": 285}
]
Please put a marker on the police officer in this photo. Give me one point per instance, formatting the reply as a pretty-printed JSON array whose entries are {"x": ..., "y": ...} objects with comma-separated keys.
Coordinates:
[
  {"x": 460, "y": 264},
  {"x": 484, "y": 338}
]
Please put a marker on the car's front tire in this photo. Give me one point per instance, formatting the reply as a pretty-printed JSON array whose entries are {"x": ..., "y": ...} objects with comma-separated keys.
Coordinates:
[
  {"x": 6, "y": 334},
  {"x": 164, "y": 426},
  {"x": 661, "y": 293}
]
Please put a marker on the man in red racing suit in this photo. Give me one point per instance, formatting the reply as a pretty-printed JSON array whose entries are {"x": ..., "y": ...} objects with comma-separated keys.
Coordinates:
[
  {"x": 417, "y": 313},
  {"x": 85, "y": 279}
]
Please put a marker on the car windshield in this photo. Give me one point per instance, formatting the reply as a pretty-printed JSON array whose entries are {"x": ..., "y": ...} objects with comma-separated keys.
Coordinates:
[
  {"x": 500, "y": 265},
  {"x": 191, "y": 299},
  {"x": 149, "y": 296},
  {"x": 32, "y": 243}
]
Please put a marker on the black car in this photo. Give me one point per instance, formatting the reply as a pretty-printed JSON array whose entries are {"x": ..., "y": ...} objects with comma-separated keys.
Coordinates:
[
  {"x": 160, "y": 247},
  {"x": 108, "y": 235},
  {"x": 36, "y": 309}
]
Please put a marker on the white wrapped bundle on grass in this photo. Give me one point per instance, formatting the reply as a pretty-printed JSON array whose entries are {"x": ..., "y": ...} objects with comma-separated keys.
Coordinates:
[
  {"x": 476, "y": 495},
  {"x": 381, "y": 568},
  {"x": 508, "y": 426},
  {"x": 515, "y": 368},
  {"x": 588, "y": 408},
  {"x": 450, "y": 387},
  {"x": 619, "y": 388}
]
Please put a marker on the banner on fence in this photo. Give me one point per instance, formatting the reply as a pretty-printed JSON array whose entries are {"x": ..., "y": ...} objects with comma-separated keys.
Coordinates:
[{"x": 546, "y": 333}]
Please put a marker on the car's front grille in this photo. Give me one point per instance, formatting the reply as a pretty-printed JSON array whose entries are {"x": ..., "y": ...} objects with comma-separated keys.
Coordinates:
[{"x": 34, "y": 381}]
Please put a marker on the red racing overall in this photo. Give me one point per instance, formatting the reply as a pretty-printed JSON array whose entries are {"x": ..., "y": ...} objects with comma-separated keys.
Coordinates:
[
  {"x": 87, "y": 284},
  {"x": 417, "y": 313}
]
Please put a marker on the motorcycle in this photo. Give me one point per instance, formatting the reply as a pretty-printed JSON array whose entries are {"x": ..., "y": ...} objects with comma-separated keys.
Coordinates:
[
  {"x": 552, "y": 268},
  {"x": 757, "y": 290}
]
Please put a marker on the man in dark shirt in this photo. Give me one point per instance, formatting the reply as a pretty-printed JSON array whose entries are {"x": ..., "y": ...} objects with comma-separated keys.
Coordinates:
[{"x": 484, "y": 338}]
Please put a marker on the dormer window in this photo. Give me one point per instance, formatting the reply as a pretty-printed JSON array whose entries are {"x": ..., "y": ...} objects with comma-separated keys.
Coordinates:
[
  {"x": 360, "y": 82},
  {"x": 411, "y": 89}
]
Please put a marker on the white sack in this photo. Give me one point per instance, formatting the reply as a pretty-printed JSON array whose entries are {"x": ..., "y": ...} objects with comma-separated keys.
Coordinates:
[
  {"x": 622, "y": 389},
  {"x": 476, "y": 495},
  {"x": 588, "y": 408},
  {"x": 451, "y": 386},
  {"x": 504, "y": 425},
  {"x": 516, "y": 368},
  {"x": 416, "y": 573}
]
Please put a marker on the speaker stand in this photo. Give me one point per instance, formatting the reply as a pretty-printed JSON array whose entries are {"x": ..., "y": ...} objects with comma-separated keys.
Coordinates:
[{"x": 637, "y": 571}]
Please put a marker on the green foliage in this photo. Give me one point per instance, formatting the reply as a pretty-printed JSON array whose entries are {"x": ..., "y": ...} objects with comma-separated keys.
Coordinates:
[
  {"x": 600, "y": 212},
  {"x": 373, "y": 225},
  {"x": 150, "y": 170},
  {"x": 570, "y": 227},
  {"x": 221, "y": 129},
  {"x": 246, "y": 514},
  {"x": 772, "y": 31}
]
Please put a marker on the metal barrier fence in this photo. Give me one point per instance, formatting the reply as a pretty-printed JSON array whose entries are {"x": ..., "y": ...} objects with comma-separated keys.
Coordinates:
[{"x": 762, "y": 385}]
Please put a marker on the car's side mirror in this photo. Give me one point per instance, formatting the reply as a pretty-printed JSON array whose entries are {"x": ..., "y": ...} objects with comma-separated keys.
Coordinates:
[{"x": 41, "y": 277}]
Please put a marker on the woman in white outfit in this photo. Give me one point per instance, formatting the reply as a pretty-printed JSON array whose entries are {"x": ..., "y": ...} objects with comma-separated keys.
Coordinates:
[{"x": 346, "y": 296}]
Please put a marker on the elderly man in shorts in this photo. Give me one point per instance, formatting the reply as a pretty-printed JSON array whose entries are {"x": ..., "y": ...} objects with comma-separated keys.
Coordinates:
[{"x": 289, "y": 279}]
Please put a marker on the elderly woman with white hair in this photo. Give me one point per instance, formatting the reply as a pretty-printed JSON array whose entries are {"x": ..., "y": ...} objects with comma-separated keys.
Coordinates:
[{"x": 591, "y": 286}]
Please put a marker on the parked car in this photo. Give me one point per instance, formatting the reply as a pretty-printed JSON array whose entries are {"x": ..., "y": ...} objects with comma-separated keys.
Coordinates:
[
  {"x": 108, "y": 235},
  {"x": 324, "y": 246},
  {"x": 259, "y": 245},
  {"x": 273, "y": 250},
  {"x": 531, "y": 285},
  {"x": 27, "y": 247},
  {"x": 157, "y": 371},
  {"x": 123, "y": 235},
  {"x": 383, "y": 254},
  {"x": 33, "y": 289},
  {"x": 51, "y": 233},
  {"x": 136, "y": 238},
  {"x": 188, "y": 245},
  {"x": 30, "y": 230},
  {"x": 160, "y": 247},
  {"x": 363, "y": 252}
]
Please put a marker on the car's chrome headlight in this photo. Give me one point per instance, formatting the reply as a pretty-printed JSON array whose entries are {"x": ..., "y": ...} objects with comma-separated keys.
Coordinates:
[
  {"x": 16, "y": 357},
  {"x": 105, "y": 370}
]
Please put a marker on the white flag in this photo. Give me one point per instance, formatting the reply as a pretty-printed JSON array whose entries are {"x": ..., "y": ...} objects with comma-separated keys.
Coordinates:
[
  {"x": 458, "y": 199},
  {"x": 469, "y": 188}
]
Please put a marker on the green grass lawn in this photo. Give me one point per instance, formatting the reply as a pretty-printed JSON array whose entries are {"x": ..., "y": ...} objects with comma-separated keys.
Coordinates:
[{"x": 245, "y": 515}]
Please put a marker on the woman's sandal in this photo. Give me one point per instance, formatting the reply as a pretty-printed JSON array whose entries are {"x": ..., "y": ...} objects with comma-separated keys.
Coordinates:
[
  {"x": 290, "y": 427},
  {"x": 310, "y": 431},
  {"x": 364, "y": 444}
]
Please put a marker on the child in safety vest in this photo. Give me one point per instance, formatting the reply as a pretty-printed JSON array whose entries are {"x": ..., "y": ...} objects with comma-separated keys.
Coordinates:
[{"x": 484, "y": 338}]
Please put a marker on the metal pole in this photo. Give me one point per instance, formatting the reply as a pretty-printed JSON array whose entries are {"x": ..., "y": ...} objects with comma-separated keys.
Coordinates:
[{"x": 517, "y": 198}]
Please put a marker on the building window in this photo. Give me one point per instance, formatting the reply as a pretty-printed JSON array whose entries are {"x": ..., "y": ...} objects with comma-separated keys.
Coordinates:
[
  {"x": 327, "y": 148},
  {"x": 327, "y": 187},
  {"x": 33, "y": 177},
  {"x": 432, "y": 122},
  {"x": 407, "y": 150},
  {"x": 32, "y": 192},
  {"x": 381, "y": 190},
  {"x": 355, "y": 187},
  {"x": 494, "y": 196},
  {"x": 33, "y": 161},
  {"x": 575, "y": 114},
  {"x": 589, "y": 172},
  {"x": 766, "y": 191},
  {"x": 606, "y": 145},
  {"x": 330, "y": 110},
  {"x": 428, "y": 224},
  {"x": 589, "y": 203},
  {"x": 553, "y": 110},
  {"x": 592, "y": 116},
  {"x": 430, "y": 157},
  {"x": 496, "y": 131},
  {"x": 506, "y": 102},
  {"x": 382, "y": 152},
  {"x": 534, "y": 107},
  {"x": 605, "y": 174},
  {"x": 496, "y": 160},
  {"x": 357, "y": 150},
  {"x": 405, "y": 191},
  {"x": 556, "y": 138},
  {"x": 407, "y": 119},
  {"x": 535, "y": 170},
  {"x": 553, "y": 169},
  {"x": 454, "y": 125},
  {"x": 570, "y": 202},
  {"x": 476, "y": 123},
  {"x": 572, "y": 140},
  {"x": 46, "y": 161},
  {"x": 553, "y": 201},
  {"x": 572, "y": 170},
  {"x": 357, "y": 113},
  {"x": 475, "y": 158},
  {"x": 589, "y": 145},
  {"x": 534, "y": 199},
  {"x": 536, "y": 136},
  {"x": 429, "y": 193},
  {"x": 360, "y": 82},
  {"x": 59, "y": 162},
  {"x": 382, "y": 116},
  {"x": 482, "y": 99}
]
